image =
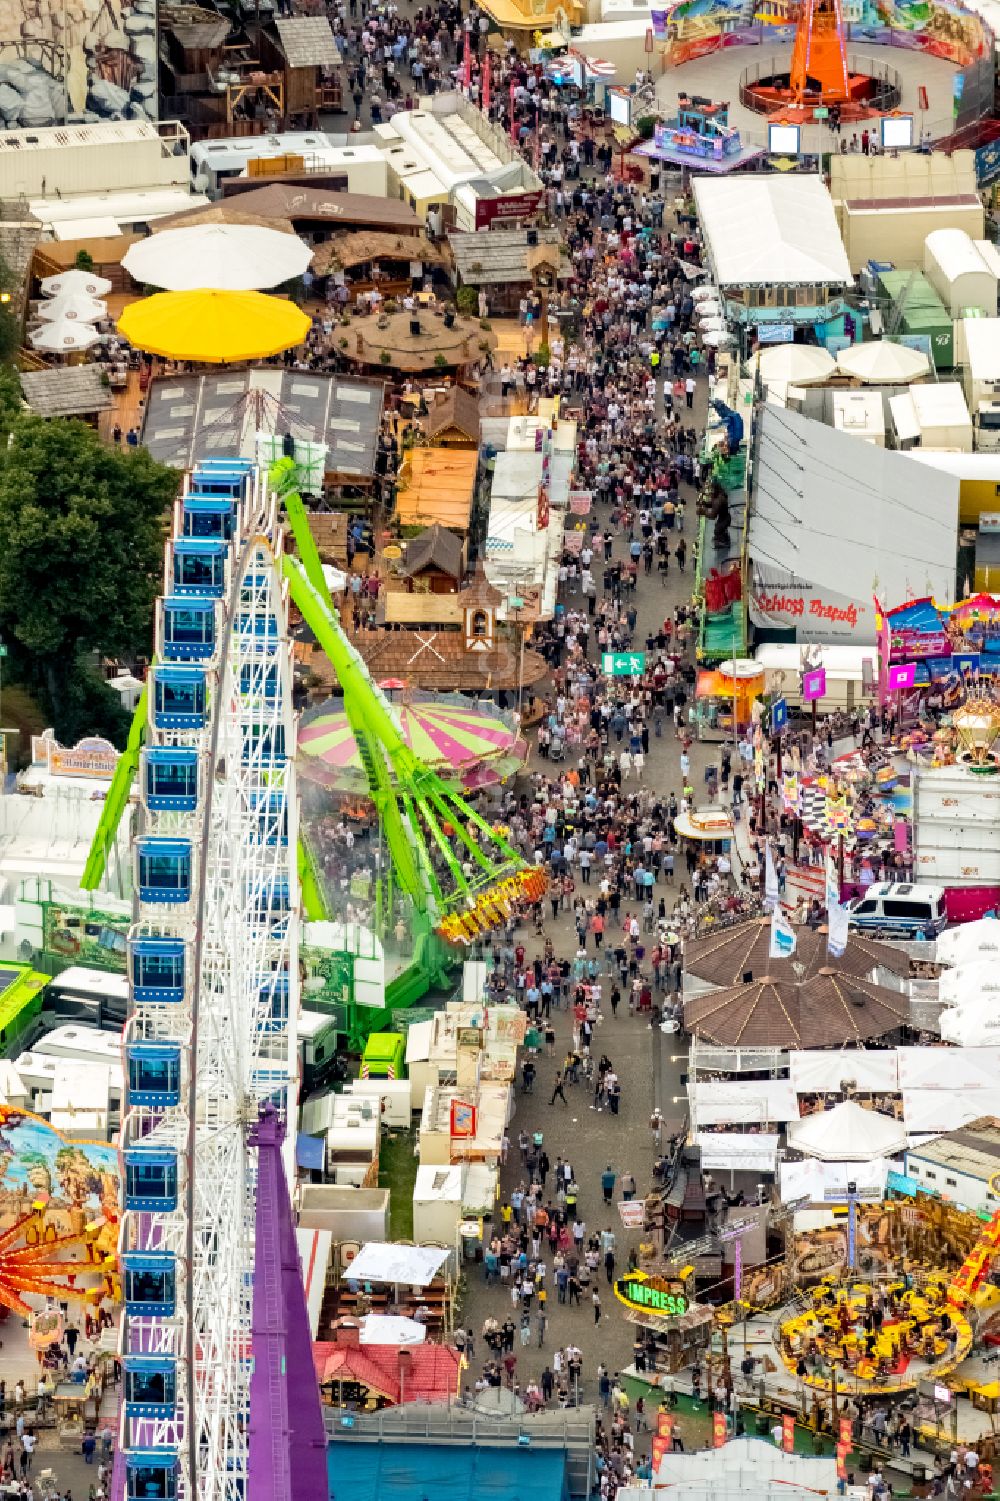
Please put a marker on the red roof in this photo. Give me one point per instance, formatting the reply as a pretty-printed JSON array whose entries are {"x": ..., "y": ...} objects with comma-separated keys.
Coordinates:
[{"x": 432, "y": 1376}]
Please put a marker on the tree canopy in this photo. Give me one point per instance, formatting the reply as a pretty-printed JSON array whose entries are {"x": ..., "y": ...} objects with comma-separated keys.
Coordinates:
[{"x": 82, "y": 527}]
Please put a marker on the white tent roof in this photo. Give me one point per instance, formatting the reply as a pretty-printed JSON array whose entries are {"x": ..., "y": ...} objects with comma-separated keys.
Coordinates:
[
  {"x": 935, "y": 1111},
  {"x": 738, "y": 1151},
  {"x": 973, "y": 1026},
  {"x": 968, "y": 981},
  {"x": 973, "y": 940},
  {"x": 771, "y": 229},
  {"x": 732, "y": 1101},
  {"x": 883, "y": 363},
  {"x": 796, "y": 364},
  {"x": 390, "y": 1329},
  {"x": 745, "y": 1467},
  {"x": 388, "y": 1261},
  {"x": 947, "y": 1068},
  {"x": 823, "y": 1182},
  {"x": 825, "y": 1070},
  {"x": 848, "y": 1133},
  {"x": 886, "y": 527}
]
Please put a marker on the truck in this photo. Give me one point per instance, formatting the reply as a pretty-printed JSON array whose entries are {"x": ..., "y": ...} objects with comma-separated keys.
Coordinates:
[
  {"x": 977, "y": 351},
  {"x": 956, "y": 838}
]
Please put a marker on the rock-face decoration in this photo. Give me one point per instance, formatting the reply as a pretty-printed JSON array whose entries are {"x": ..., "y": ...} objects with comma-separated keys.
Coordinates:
[{"x": 77, "y": 60}]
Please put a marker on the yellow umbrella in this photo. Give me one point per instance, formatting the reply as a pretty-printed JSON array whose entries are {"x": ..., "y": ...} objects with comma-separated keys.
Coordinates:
[{"x": 213, "y": 327}]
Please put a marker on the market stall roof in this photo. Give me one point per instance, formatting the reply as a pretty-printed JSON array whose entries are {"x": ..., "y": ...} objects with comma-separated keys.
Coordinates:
[
  {"x": 439, "y": 660},
  {"x": 745, "y": 1467},
  {"x": 972, "y": 940},
  {"x": 66, "y": 391},
  {"x": 847, "y": 1133},
  {"x": 969, "y": 982},
  {"x": 723, "y": 958},
  {"x": 771, "y": 230},
  {"x": 724, "y": 1102},
  {"x": 391, "y": 1261},
  {"x": 827, "y": 1010},
  {"x": 191, "y": 417},
  {"x": 308, "y": 41},
  {"x": 361, "y": 245},
  {"x": 975, "y": 1024},
  {"x": 795, "y": 364},
  {"x": 504, "y": 257},
  {"x": 437, "y": 485},
  {"x": 391, "y": 1329},
  {"x": 290, "y": 202},
  {"x": 454, "y": 408},
  {"x": 437, "y": 548},
  {"x": 880, "y": 362},
  {"x": 825, "y": 1070}
]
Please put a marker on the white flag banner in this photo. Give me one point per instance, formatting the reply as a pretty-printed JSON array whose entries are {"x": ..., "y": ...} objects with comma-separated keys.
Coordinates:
[
  {"x": 783, "y": 940},
  {"x": 771, "y": 892},
  {"x": 832, "y": 884},
  {"x": 838, "y": 928}
]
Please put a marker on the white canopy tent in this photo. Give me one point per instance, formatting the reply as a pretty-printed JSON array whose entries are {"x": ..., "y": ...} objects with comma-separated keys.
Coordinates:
[
  {"x": 935, "y": 1111},
  {"x": 974, "y": 1025},
  {"x": 63, "y": 337},
  {"x": 742, "y": 1102},
  {"x": 795, "y": 364},
  {"x": 820, "y": 1182},
  {"x": 972, "y": 940},
  {"x": 737, "y": 1151},
  {"x": 882, "y": 363},
  {"x": 847, "y": 1133},
  {"x": 969, "y": 982},
  {"x": 744, "y": 1467},
  {"x": 949, "y": 1068},
  {"x": 390, "y": 1329},
  {"x": 233, "y": 257},
  {"x": 390, "y": 1261},
  {"x": 823, "y": 1070},
  {"x": 771, "y": 230}
]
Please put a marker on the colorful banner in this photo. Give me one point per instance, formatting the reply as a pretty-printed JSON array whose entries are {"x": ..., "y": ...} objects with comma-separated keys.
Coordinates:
[
  {"x": 783, "y": 939},
  {"x": 791, "y": 794},
  {"x": 771, "y": 892},
  {"x": 719, "y": 1432},
  {"x": 788, "y": 1433}
]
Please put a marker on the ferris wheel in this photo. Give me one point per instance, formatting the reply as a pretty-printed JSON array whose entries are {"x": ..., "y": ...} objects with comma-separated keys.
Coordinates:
[{"x": 209, "y": 1044}]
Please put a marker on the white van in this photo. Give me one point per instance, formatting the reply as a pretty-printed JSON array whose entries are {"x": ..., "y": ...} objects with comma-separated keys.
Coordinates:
[{"x": 899, "y": 909}]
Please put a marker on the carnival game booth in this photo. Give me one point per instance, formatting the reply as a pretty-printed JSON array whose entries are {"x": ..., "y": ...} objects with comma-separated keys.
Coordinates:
[{"x": 728, "y": 690}]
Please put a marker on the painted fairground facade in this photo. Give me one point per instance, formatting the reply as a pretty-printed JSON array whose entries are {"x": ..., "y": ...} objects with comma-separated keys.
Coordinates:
[{"x": 77, "y": 60}]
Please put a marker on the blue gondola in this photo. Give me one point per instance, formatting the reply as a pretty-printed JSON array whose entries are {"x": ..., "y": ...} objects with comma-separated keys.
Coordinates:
[
  {"x": 212, "y": 517},
  {"x": 164, "y": 870},
  {"x": 151, "y": 1475},
  {"x": 261, "y": 630},
  {"x": 150, "y": 1178},
  {"x": 273, "y": 997},
  {"x": 149, "y": 1284},
  {"x": 170, "y": 779},
  {"x": 271, "y": 901},
  {"x": 199, "y": 567},
  {"x": 150, "y": 1386},
  {"x": 187, "y": 628},
  {"x": 265, "y": 742},
  {"x": 180, "y": 698},
  {"x": 153, "y": 1073},
  {"x": 260, "y": 681},
  {"x": 270, "y": 818},
  {"x": 157, "y": 969}
]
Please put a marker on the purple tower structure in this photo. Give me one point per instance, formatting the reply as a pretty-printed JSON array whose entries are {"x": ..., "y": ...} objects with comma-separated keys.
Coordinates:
[{"x": 287, "y": 1453}]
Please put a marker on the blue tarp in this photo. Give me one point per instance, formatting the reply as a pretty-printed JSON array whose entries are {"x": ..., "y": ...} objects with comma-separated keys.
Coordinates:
[
  {"x": 419, "y": 1472},
  {"x": 309, "y": 1151}
]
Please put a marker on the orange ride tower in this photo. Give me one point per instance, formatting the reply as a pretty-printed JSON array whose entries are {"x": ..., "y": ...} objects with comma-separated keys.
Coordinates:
[{"x": 818, "y": 72}]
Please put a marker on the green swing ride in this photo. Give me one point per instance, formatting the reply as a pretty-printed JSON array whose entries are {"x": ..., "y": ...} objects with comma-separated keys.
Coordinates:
[{"x": 451, "y": 903}]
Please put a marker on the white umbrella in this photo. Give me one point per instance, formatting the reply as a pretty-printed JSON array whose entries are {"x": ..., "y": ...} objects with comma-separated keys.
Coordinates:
[
  {"x": 882, "y": 363},
  {"x": 702, "y": 294},
  {"x": 848, "y": 1133},
  {"x": 64, "y": 337},
  {"x": 795, "y": 364},
  {"x": 76, "y": 306},
  {"x": 969, "y": 981},
  {"x": 971, "y": 940},
  {"x": 709, "y": 309},
  {"x": 975, "y": 1025},
  {"x": 717, "y": 339},
  {"x": 67, "y": 283},
  {"x": 713, "y": 325},
  {"x": 227, "y": 257}
]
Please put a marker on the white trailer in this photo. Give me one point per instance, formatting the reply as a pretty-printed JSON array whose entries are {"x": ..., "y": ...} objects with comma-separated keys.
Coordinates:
[
  {"x": 959, "y": 274},
  {"x": 977, "y": 350}
]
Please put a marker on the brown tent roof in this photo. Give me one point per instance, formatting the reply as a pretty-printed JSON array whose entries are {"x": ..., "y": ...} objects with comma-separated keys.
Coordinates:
[
  {"x": 438, "y": 548},
  {"x": 456, "y": 408},
  {"x": 341, "y": 252},
  {"x": 224, "y": 212},
  {"x": 724, "y": 957},
  {"x": 289, "y": 201},
  {"x": 438, "y": 660},
  {"x": 829, "y": 1010}
]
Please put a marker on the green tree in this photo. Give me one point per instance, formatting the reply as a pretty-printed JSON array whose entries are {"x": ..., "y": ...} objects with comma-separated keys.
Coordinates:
[
  {"x": 84, "y": 261},
  {"x": 82, "y": 527}
]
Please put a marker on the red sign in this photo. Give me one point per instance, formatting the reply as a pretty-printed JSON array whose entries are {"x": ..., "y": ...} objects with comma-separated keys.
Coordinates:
[
  {"x": 463, "y": 1118},
  {"x": 842, "y": 1452},
  {"x": 788, "y": 1433},
  {"x": 664, "y": 1424},
  {"x": 844, "y": 1434},
  {"x": 661, "y": 1448},
  {"x": 718, "y": 1429},
  {"x": 510, "y": 206}
]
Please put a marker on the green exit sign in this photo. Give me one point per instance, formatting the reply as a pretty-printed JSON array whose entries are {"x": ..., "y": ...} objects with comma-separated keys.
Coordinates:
[
  {"x": 821, "y": 112},
  {"x": 623, "y": 664}
]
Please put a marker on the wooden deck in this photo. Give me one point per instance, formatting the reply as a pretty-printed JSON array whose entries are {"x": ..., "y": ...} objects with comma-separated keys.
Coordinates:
[{"x": 127, "y": 410}]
